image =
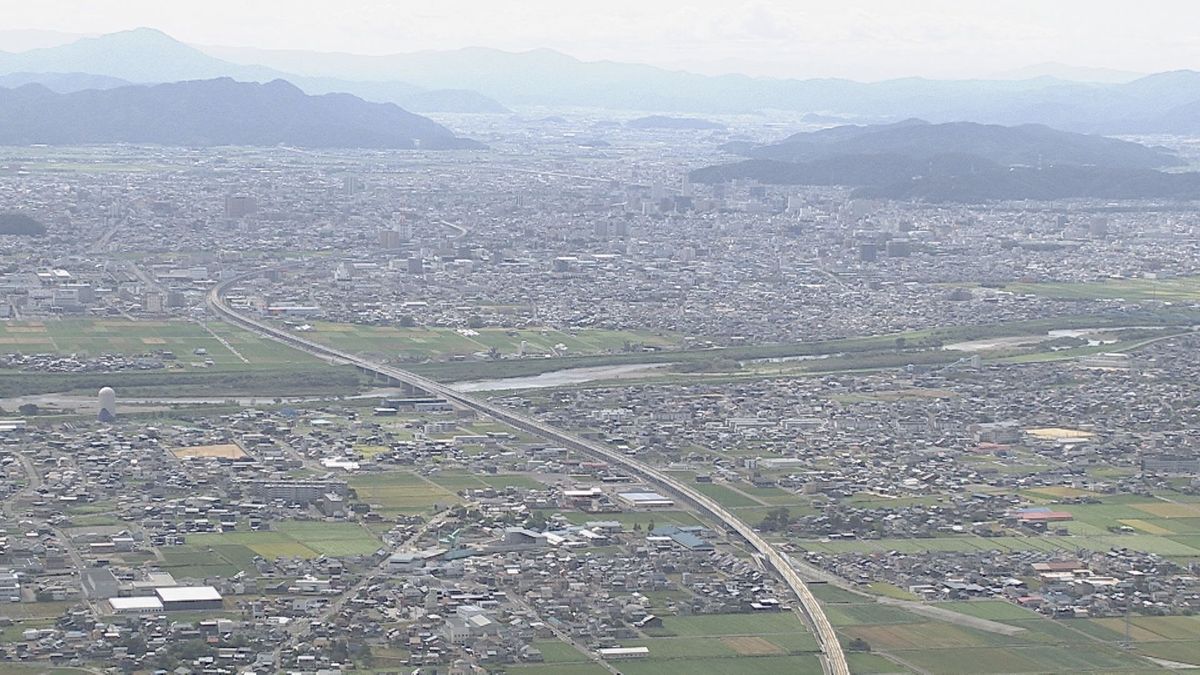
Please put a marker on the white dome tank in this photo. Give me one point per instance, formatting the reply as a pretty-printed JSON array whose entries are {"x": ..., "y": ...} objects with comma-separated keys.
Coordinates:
[{"x": 108, "y": 404}]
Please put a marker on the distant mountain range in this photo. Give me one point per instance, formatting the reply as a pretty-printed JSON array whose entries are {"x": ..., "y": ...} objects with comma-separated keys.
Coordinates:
[
  {"x": 214, "y": 112},
  {"x": 1075, "y": 99},
  {"x": 1029, "y": 145},
  {"x": 147, "y": 56},
  {"x": 963, "y": 162},
  {"x": 63, "y": 83},
  {"x": 487, "y": 80}
]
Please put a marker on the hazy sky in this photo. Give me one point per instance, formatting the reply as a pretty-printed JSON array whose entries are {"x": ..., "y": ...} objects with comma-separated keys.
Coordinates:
[{"x": 862, "y": 39}]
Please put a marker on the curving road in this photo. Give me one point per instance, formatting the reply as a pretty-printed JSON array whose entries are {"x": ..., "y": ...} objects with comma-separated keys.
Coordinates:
[{"x": 833, "y": 659}]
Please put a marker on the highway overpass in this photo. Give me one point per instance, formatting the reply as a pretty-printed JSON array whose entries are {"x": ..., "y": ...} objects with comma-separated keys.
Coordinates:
[{"x": 833, "y": 658}]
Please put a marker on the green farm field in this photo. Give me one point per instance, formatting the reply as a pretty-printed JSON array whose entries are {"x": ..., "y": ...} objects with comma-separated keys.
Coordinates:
[
  {"x": 242, "y": 363},
  {"x": 1175, "y": 546},
  {"x": 727, "y": 643},
  {"x": 397, "y": 492},
  {"x": 899, "y": 638},
  {"x": 443, "y": 343},
  {"x": 1175, "y": 289},
  {"x": 93, "y": 337},
  {"x": 298, "y": 539}
]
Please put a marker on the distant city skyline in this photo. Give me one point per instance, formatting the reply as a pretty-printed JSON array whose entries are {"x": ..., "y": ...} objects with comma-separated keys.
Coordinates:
[{"x": 859, "y": 39}]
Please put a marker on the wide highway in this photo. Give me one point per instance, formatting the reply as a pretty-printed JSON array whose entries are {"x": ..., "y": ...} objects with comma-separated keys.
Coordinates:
[{"x": 833, "y": 658}]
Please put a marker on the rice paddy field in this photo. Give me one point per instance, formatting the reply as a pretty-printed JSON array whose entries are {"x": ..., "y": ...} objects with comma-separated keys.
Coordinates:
[
  {"x": 225, "y": 554},
  {"x": 727, "y": 643},
  {"x": 444, "y": 343},
  {"x": 1177, "y": 547},
  {"x": 904, "y": 642},
  {"x": 93, "y": 337},
  {"x": 1168, "y": 525},
  {"x": 213, "y": 359},
  {"x": 402, "y": 492},
  {"x": 1176, "y": 289}
]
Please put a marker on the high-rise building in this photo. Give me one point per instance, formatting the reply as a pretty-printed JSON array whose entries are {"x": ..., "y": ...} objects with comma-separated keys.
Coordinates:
[
  {"x": 238, "y": 206},
  {"x": 389, "y": 239},
  {"x": 898, "y": 248},
  {"x": 153, "y": 302}
]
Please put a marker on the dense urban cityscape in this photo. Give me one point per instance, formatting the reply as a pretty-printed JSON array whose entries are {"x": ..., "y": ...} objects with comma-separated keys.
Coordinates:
[{"x": 544, "y": 396}]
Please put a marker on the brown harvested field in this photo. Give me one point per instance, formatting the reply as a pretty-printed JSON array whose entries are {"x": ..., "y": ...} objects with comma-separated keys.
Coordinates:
[
  {"x": 226, "y": 451},
  {"x": 153, "y": 341},
  {"x": 751, "y": 646},
  {"x": 1169, "y": 509},
  {"x": 25, "y": 329}
]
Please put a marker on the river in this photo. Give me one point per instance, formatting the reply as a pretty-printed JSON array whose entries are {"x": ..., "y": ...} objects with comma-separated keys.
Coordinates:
[{"x": 560, "y": 378}]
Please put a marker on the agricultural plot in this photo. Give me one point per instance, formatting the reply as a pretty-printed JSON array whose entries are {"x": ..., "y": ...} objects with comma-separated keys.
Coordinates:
[
  {"x": 559, "y": 669},
  {"x": 116, "y": 336},
  {"x": 725, "y": 496},
  {"x": 762, "y": 665},
  {"x": 993, "y": 610},
  {"x": 198, "y": 562},
  {"x": 689, "y": 647},
  {"x": 707, "y": 625},
  {"x": 726, "y": 643},
  {"x": 457, "y": 481},
  {"x": 872, "y": 664},
  {"x": 289, "y": 539},
  {"x": 259, "y": 367},
  {"x": 331, "y": 539},
  {"x": 501, "y": 481},
  {"x": 866, "y": 614},
  {"x": 1178, "y": 289},
  {"x": 397, "y": 492},
  {"x": 443, "y": 343},
  {"x": 1176, "y": 546},
  {"x": 555, "y": 651},
  {"x": 265, "y": 544},
  {"x": 1045, "y": 646},
  {"x": 1082, "y": 658},
  {"x": 924, "y": 635},
  {"x": 828, "y": 594}
]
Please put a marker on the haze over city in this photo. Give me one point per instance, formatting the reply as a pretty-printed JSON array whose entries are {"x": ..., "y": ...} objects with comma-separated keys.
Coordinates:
[
  {"x": 583, "y": 338},
  {"x": 861, "y": 39}
]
